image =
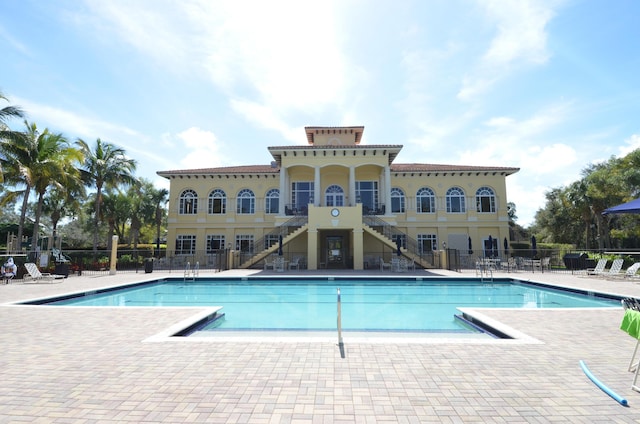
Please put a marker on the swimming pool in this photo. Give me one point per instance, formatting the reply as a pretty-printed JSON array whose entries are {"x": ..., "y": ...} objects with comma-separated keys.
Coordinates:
[{"x": 310, "y": 304}]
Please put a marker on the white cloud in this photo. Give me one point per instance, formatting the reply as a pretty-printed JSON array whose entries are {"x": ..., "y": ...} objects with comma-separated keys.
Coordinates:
[
  {"x": 89, "y": 128},
  {"x": 75, "y": 124},
  {"x": 266, "y": 52},
  {"x": 521, "y": 39},
  {"x": 632, "y": 143},
  {"x": 202, "y": 149}
]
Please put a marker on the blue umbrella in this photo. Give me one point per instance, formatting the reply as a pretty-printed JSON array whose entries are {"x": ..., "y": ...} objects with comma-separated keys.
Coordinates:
[
  {"x": 280, "y": 253},
  {"x": 398, "y": 242},
  {"x": 629, "y": 207},
  {"x": 506, "y": 247},
  {"x": 470, "y": 249}
]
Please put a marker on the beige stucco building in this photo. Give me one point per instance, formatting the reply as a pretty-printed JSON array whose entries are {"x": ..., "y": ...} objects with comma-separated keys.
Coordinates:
[{"x": 336, "y": 203}]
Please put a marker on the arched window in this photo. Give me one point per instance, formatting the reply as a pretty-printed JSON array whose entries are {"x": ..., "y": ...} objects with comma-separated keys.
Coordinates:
[
  {"x": 426, "y": 200},
  {"x": 188, "y": 203},
  {"x": 397, "y": 200},
  {"x": 217, "y": 202},
  {"x": 455, "y": 200},
  {"x": 272, "y": 201},
  {"x": 334, "y": 196},
  {"x": 246, "y": 203},
  {"x": 485, "y": 200}
]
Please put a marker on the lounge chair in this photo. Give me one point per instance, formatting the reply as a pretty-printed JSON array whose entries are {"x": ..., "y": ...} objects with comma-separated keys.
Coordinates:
[
  {"x": 599, "y": 268},
  {"x": 616, "y": 267},
  {"x": 630, "y": 272},
  {"x": 36, "y": 275}
]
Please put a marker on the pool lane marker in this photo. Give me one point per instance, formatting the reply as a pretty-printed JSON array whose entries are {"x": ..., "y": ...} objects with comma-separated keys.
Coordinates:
[{"x": 622, "y": 401}]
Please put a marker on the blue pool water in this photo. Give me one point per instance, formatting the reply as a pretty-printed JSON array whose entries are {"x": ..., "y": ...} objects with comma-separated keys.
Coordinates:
[{"x": 367, "y": 304}]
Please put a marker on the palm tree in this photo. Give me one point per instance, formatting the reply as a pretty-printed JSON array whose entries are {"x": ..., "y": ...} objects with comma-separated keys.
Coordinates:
[
  {"x": 34, "y": 162},
  {"x": 105, "y": 166},
  {"x": 39, "y": 160},
  {"x": 159, "y": 197},
  {"x": 61, "y": 202},
  {"x": 7, "y": 136}
]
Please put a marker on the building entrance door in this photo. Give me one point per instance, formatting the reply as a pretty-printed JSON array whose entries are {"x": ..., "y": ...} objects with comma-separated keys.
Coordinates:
[{"x": 335, "y": 252}]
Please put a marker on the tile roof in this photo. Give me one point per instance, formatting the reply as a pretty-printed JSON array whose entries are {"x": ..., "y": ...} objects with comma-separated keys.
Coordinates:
[
  {"x": 400, "y": 167},
  {"x": 428, "y": 167}
]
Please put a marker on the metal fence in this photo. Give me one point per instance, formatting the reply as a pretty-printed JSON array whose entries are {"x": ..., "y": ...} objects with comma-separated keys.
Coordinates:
[{"x": 542, "y": 260}]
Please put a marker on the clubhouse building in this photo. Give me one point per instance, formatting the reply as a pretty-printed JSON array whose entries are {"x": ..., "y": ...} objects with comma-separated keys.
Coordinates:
[{"x": 335, "y": 203}]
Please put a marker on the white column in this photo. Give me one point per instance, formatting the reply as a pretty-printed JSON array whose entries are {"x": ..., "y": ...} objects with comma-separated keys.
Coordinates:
[
  {"x": 352, "y": 186},
  {"x": 316, "y": 187},
  {"x": 387, "y": 190},
  {"x": 284, "y": 195}
]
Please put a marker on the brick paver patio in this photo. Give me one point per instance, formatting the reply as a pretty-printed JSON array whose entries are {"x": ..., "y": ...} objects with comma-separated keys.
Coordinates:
[{"x": 74, "y": 365}]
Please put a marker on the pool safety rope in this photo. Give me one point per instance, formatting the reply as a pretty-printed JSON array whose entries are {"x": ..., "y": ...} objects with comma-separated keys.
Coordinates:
[{"x": 622, "y": 401}]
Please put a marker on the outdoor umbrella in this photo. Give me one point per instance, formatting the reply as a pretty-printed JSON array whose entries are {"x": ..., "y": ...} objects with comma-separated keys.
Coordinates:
[
  {"x": 629, "y": 207},
  {"x": 490, "y": 248},
  {"x": 506, "y": 247},
  {"x": 533, "y": 246},
  {"x": 398, "y": 251},
  {"x": 470, "y": 248},
  {"x": 280, "y": 253}
]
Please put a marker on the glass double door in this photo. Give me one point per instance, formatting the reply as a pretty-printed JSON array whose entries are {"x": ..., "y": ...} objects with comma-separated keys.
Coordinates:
[{"x": 335, "y": 252}]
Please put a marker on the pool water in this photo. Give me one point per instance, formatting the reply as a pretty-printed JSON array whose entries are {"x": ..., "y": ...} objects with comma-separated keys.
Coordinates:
[{"x": 366, "y": 304}]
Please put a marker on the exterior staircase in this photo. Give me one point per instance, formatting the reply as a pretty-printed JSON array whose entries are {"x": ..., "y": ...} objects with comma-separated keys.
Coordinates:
[{"x": 287, "y": 236}]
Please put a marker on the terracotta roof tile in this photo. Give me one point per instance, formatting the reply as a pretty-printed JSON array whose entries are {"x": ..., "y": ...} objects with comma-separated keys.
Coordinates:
[{"x": 428, "y": 167}]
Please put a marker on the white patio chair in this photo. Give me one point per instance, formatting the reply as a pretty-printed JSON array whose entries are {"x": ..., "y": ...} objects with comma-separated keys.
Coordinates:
[
  {"x": 384, "y": 265},
  {"x": 36, "y": 275}
]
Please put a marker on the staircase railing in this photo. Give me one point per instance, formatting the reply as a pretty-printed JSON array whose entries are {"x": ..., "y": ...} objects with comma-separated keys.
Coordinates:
[
  {"x": 282, "y": 230},
  {"x": 392, "y": 232}
]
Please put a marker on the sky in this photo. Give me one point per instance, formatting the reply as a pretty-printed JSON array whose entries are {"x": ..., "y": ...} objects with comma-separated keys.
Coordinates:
[{"x": 547, "y": 86}]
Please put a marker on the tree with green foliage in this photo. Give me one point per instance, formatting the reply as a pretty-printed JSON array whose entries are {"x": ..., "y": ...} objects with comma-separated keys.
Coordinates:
[
  {"x": 105, "y": 166},
  {"x": 6, "y": 135},
  {"x": 159, "y": 197},
  {"x": 37, "y": 161}
]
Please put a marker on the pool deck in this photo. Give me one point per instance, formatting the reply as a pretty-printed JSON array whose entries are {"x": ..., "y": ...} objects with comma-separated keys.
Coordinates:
[{"x": 63, "y": 365}]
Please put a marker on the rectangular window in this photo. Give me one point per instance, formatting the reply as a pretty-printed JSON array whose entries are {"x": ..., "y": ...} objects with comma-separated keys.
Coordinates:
[
  {"x": 217, "y": 205},
  {"x": 186, "y": 245},
  {"x": 427, "y": 243},
  {"x": 485, "y": 204},
  {"x": 270, "y": 240},
  {"x": 244, "y": 242},
  {"x": 301, "y": 194},
  {"x": 367, "y": 194},
  {"x": 215, "y": 242},
  {"x": 273, "y": 203}
]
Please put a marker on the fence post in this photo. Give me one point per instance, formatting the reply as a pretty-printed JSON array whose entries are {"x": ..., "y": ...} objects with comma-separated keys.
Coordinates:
[{"x": 114, "y": 255}]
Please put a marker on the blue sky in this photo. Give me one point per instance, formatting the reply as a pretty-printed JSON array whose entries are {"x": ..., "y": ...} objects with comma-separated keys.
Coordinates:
[{"x": 546, "y": 86}]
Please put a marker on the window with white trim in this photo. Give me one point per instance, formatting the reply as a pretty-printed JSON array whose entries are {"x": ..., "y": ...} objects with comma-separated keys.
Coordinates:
[
  {"x": 188, "y": 203},
  {"x": 185, "y": 244},
  {"x": 367, "y": 194},
  {"x": 272, "y": 201},
  {"x": 334, "y": 196},
  {"x": 215, "y": 242},
  {"x": 485, "y": 200},
  {"x": 217, "y": 202},
  {"x": 301, "y": 194},
  {"x": 397, "y": 200},
  {"x": 455, "y": 200},
  {"x": 426, "y": 200},
  {"x": 244, "y": 242},
  {"x": 246, "y": 202},
  {"x": 427, "y": 243}
]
